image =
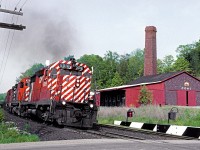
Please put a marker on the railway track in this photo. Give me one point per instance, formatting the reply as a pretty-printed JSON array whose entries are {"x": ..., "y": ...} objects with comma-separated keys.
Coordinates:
[
  {"x": 48, "y": 132},
  {"x": 118, "y": 132},
  {"x": 140, "y": 133}
]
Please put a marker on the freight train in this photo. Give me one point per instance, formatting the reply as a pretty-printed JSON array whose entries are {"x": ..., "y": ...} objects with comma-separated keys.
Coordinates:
[{"x": 57, "y": 93}]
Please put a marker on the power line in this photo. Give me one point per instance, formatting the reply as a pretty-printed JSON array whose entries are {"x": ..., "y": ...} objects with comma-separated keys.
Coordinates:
[
  {"x": 23, "y": 4},
  {"x": 8, "y": 54},
  {"x": 9, "y": 26},
  {"x": 17, "y": 4},
  {"x": 4, "y": 54}
]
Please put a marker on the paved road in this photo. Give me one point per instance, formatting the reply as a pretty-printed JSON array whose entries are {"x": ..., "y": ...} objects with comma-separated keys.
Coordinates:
[{"x": 105, "y": 144}]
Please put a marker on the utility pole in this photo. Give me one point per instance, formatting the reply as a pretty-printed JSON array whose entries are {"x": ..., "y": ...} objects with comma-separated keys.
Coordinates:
[
  {"x": 11, "y": 12},
  {"x": 11, "y": 26}
]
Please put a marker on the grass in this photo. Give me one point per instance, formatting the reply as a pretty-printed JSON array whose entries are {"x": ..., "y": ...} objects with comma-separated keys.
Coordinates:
[
  {"x": 10, "y": 134},
  {"x": 1, "y": 115},
  {"x": 151, "y": 114}
]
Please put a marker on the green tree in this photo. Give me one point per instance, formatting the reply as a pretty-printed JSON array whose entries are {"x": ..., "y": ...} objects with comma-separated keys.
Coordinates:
[
  {"x": 111, "y": 59},
  {"x": 29, "y": 72},
  {"x": 191, "y": 53},
  {"x": 181, "y": 64},
  {"x": 160, "y": 66},
  {"x": 122, "y": 67},
  {"x": 135, "y": 65},
  {"x": 117, "y": 80},
  {"x": 2, "y": 96},
  {"x": 145, "y": 96},
  {"x": 168, "y": 62}
]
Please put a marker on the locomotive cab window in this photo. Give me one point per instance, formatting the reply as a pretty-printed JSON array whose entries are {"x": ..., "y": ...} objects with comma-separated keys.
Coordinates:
[
  {"x": 64, "y": 72},
  {"x": 53, "y": 73},
  {"x": 87, "y": 75},
  {"x": 46, "y": 73},
  {"x": 76, "y": 73},
  {"x": 21, "y": 84}
]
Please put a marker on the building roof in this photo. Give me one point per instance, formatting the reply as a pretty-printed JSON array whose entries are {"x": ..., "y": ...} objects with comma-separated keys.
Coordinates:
[
  {"x": 154, "y": 78},
  {"x": 144, "y": 80}
]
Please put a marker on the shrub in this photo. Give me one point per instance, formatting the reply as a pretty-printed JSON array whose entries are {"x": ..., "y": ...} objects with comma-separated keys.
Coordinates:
[
  {"x": 145, "y": 96},
  {"x": 1, "y": 115}
]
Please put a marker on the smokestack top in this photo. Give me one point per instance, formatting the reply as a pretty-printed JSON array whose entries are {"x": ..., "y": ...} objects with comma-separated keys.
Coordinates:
[
  {"x": 150, "y": 28},
  {"x": 150, "y": 54}
]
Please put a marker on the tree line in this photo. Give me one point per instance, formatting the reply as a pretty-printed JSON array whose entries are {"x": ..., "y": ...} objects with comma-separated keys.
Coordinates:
[{"x": 114, "y": 70}]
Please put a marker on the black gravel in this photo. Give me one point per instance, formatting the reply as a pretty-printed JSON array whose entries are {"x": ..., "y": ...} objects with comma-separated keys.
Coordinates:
[{"x": 48, "y": 132}]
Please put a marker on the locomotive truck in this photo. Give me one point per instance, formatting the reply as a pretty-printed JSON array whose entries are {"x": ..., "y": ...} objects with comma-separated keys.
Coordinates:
[{"x": 57, "y": 93}]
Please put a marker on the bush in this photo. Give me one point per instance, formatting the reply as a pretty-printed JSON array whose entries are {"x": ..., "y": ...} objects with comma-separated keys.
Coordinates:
[
  {"x": 1, "y": 115},
  {"x": 145, "y": 96}
]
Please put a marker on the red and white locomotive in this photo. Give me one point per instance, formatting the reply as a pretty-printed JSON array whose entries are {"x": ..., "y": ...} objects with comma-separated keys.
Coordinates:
[{"x": 59, "y": 92}]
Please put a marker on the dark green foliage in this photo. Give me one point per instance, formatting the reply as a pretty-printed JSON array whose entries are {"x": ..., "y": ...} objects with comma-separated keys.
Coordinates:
[
  {"x": 117, "y": 80},
  {"x": 122, "y": 67},
  {"x": 2, "y": 96},
  {"x": 1, "y": 115},
  {"x": 181, "y": 64},
  {"x": 168, "y": 64},
  {"x": 145, "y": 96},
  {"x": 113, "y": 69},
  {"x": 135, "y": 65},
  {"x": 191, "y": 53}
]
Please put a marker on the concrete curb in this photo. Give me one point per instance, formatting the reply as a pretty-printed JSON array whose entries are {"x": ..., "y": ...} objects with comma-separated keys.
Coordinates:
[{"x": 168, "y": 129}]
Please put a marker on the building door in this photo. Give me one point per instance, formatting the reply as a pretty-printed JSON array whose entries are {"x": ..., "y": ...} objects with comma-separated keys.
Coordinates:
[
  {"x": 186, "y": 98},
  {"x": 192, "y": 98},
  {"x": 181, "y": 98}
]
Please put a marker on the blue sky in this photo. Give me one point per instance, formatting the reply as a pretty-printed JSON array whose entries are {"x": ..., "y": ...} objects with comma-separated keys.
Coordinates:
[{"x": 77, "y": 27}]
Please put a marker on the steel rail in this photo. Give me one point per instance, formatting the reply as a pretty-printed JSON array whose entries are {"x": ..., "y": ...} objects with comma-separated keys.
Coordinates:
[{"x": 145, "y": 131}]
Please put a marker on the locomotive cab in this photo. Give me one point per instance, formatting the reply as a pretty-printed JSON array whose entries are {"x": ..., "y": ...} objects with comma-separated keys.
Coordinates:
[{"x": 71, "y": 93}]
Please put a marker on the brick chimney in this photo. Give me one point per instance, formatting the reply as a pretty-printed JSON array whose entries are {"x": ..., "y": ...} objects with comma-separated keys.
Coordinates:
[{"x": 150, "y": 54}]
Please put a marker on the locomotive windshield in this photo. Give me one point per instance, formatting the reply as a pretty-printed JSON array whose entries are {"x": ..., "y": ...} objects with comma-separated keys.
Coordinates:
[
  {"x": 64, "y": 72},
  {"x": 68, "y": 72},
  {"x": 71, "y": 69}
]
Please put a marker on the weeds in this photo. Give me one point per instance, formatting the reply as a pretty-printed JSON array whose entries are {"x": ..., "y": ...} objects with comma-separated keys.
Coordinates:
[
  {"x": 151, "y": 114},
  {"x": 1, "y": 115},
  {"x": 10, "y": 134}
]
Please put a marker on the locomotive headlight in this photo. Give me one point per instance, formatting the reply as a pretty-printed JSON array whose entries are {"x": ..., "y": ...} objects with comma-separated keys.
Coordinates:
[
  {"x": 91, "y": 105},
  {"x": 63, "y": 102}
]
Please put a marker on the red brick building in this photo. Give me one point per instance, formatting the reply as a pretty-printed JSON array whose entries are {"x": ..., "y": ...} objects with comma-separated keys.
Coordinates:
[{"x": 175, "y": 88}]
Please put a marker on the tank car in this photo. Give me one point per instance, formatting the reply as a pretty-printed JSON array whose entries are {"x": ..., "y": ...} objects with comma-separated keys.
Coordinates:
[{"x": 57, "y": 93}]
